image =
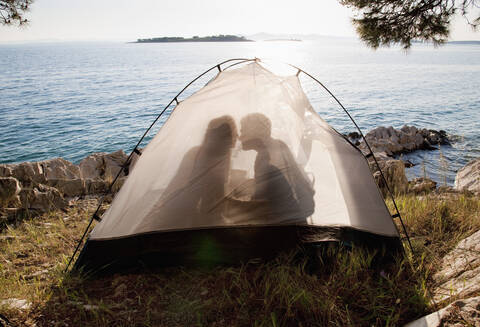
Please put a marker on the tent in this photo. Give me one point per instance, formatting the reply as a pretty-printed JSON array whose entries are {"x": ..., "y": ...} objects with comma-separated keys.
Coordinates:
[{"x": 242, "y": 168}]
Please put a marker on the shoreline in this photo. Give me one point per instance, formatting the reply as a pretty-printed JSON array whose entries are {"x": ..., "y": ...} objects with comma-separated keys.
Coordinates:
[{"x": 37, "y": 187}]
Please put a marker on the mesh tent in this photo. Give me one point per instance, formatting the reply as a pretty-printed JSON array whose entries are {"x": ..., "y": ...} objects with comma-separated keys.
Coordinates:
[{"x": 242, "y": 168}]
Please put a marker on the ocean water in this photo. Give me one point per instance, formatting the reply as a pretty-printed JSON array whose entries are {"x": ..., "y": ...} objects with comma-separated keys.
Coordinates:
[{"x": 71, "y": 99}]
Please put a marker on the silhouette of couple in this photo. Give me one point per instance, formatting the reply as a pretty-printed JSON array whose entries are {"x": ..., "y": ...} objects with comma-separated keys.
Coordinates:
[{"x": 204, "y": 189}]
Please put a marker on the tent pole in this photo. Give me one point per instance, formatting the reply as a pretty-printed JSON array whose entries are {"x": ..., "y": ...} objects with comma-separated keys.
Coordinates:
[
  {"x": 369, "y": 149},
  {"x": 95, "y": 215}
]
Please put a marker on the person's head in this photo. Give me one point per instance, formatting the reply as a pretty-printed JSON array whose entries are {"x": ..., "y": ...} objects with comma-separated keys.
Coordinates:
[
  {"x": 221, "y": 134},
  {"x": 254, "y": 130}
]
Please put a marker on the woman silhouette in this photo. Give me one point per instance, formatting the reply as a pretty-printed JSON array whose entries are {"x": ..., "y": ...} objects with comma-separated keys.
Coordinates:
[{"x": 195, "y": 195}]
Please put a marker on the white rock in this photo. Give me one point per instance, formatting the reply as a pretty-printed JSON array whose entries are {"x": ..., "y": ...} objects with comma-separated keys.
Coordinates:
[
  {"x": 466, "y": 312},
  {"x": 59, "y": 168},
  {"x": 90, "y": 307},
  {"x": 14, "y": 303},
  {"x": 91, "y": 166},
  {"x": 41, "y": 171},
  {"x": 42, "y": 198},
  {"x": 459, "y": 273},
  {"x": 28, "y": 171},
  {"x": 102, "y": 165},
  {"x": 468, "y": 177},
  {"x": 36, "y": 274}
]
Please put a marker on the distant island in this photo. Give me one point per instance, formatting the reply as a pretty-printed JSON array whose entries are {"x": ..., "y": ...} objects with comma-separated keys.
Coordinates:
[{"x": 214, "y": 38}]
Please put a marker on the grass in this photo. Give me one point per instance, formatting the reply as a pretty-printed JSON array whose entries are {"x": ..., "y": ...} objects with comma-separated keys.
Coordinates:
[{"x": 345, "y": 289}]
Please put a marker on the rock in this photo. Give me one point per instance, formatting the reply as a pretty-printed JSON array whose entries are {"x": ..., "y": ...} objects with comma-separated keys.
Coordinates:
[
  {"x": 91, "y": 166},
  {"x": 40, "y": 172},
  {"x": 59, "y": 168},
  {"x": 353, "y": 135},
  {"x": 96, "y": 186},
  {"x": 446, "y": 189},
  {"x": 421, "y": 185},
  {"x": 69, "y": 187},
  {"x": 459, "y": 273},
  {"x": 6, "y": 170},
  {"x": 90, "y": 307},
  {"x": 408, "y": 163},
  {"x": 102, "y": 165},
  {"x": 13, "y": 303},
  {"x": 27, "y": 172},
  {"x": 407, "y": 139},
  {"x": 36, "y": 274},
  {"x": 113, "y": 164},
  {"x": 460, "y": 313},
  {"x": 9, "y": 189},
  {"x": 42, "y": 198},
  {"x": 394, "y": 172},
  {"x": 468, "y": 177}
]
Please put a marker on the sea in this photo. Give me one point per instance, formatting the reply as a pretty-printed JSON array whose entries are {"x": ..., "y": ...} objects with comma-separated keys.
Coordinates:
[{"x": 69, "y": 99}]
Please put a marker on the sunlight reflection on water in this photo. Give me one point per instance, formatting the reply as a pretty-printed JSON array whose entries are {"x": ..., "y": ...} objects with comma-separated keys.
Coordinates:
[{"x": 72, "y": 99}]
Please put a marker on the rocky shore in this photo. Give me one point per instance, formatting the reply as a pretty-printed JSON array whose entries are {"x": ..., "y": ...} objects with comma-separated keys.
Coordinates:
[
  {"x": 32, "y": 188},
  {"x": 387, "y": 143}
]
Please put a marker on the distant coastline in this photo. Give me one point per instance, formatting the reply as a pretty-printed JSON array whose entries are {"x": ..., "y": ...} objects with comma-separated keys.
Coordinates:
[
  {"x": 465, "y": 42},
  {"x": 213, "y": 38}
]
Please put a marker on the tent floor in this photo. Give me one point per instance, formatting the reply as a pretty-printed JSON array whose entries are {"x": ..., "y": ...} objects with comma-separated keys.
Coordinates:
[{"x": 209, "y": 247}]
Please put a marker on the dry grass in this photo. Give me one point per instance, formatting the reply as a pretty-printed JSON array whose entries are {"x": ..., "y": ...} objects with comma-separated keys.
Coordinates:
[
  {"x": 346, "y": 289},
  {"x": 437, "y": 222}
]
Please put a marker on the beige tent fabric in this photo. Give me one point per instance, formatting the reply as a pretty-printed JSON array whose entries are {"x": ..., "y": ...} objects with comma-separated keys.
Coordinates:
[{"x": 246, "y": 150}]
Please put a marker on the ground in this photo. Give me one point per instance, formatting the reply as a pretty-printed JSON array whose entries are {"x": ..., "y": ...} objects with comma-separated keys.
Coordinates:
[{"x": 346, "y": 289}]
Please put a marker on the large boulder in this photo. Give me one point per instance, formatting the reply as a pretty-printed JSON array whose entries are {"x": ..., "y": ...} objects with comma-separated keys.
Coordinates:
[
  {"x": 408, "y": 138},
  {"x": 464, "y": 312},
  {"x": 24, "y": 172},
  {"x": 102, "y": 165},
  {"x": 69, "y": 187},
  {"x": 41, "y": 172},
  {"x": 96, "y": 186},
  {"x": 421, "y": 185},
  {"x": 459, "y": 273},
  {"x": 468, "y": 177},
  {"x": 42, "y": 198},
  {"x": 9, "y": 189},
  {"x": 59, "y": 168}
]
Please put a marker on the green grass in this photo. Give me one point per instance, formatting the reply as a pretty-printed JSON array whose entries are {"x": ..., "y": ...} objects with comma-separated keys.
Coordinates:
[{"x": 345, "y": 289}]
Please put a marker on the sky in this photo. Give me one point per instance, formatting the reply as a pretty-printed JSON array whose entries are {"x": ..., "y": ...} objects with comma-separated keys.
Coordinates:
[{"x": 126, "y": 20}]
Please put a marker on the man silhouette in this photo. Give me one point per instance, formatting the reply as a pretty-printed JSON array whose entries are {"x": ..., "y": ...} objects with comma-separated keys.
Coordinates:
[{"x": 282, "y": 192}]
